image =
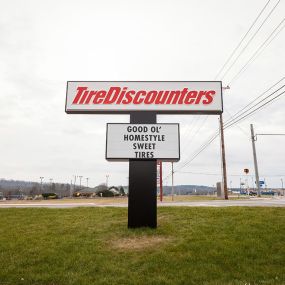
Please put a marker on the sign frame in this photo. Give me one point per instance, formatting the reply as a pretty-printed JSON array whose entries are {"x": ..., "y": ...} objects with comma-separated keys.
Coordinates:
[
  {"x": 158, "y": 112},
  {"x": 120, "y": 159}
]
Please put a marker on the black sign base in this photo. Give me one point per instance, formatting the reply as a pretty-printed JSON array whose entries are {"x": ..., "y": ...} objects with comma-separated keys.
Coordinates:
[{"x": 142, "y": 203}]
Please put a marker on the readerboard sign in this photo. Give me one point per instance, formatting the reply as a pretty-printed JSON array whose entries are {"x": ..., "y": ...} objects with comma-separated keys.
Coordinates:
[
  {"x": 164, "y": 97},
  {"x": 143, "y": 142}
]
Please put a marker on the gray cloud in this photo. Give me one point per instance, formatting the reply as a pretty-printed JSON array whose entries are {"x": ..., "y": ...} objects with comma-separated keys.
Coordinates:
[{"x": 44, "y": 44}]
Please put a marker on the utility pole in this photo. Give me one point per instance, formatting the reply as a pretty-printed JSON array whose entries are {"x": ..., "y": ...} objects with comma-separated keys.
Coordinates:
[
  {"x": 172, "y": 187},
  {"x": 223, "y": 158},
  {"x": 74, "y": 185},
  {"x": 282, "y": 185},
  {"x": 253, "y": 139},
  {"x": 70, "y": 189},
  {"x": 41, "y": 184},
  {"x": 87, "y": 178},
  {"x": 50, "y": 180},
  {"x": 107, "y": 178},
  {"x": 80, "y": 177}
]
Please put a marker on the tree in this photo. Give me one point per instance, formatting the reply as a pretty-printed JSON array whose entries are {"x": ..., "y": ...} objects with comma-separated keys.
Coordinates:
[
  {"x": 122, "y": 191},
  {"x": 103, "y": 191}
]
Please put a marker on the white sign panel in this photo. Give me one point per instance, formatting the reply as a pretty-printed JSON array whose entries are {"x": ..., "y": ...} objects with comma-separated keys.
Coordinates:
[
  {"x": 143, "y": 141},
  {"x": 169, "y": 97}
]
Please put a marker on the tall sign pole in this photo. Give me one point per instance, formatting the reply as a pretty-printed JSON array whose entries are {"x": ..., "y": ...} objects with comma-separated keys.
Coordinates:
[
  {"x": 223, "y": 158},
  {"x": 255, "y": 160},
  {"x": 142, "y": 206}
]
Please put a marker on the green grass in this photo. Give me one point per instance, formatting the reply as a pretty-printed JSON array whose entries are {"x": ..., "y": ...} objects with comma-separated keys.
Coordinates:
[{"x": 191, "y": 246}]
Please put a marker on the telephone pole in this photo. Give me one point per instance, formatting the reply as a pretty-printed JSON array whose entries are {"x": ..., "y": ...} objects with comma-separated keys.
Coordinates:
[
  {"x": 74, "y": 185},
  {"x": 41, "y": 178},
  {"x": 51, "y": 181},
  {"x": 223, "y": 158},
  {"x": 253, "y": 139},
  {"x": 80, "y": 177},
  {"x": 70, "y": 189}
]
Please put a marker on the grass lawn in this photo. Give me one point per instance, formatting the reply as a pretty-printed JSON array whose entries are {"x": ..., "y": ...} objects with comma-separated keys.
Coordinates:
[{"x": 191, "y": 246}]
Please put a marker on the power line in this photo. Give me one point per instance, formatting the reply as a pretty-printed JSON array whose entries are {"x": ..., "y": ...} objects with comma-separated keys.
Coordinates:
[
  {"x": 241, "y": 41},
  {"x": 195, "y": 133},
  {"x": 243, "y": 131},
  {"x": 250, "y": 40},
  {"x": 196, "y": 153},
  {"x": 206, "y": 144},
  {"x": 245, "y": 111},
  {"x": 263, "y": 93},
  {"x": 234, "y": 51},
  {"x": 203, "y": 147},
  {"x": 255, "y": 110},
  {"x": 192, "y": 126},
  {"x": 261, "y": 48},
  {"x": 264, "y": 21}
]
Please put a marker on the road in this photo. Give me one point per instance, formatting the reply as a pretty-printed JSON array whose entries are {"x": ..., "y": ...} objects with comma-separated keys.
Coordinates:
[{"x": 254, "y": 202}]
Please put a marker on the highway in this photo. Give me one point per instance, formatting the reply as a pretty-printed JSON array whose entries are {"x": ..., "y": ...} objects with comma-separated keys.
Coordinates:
[{"x": 253, "y": 202}]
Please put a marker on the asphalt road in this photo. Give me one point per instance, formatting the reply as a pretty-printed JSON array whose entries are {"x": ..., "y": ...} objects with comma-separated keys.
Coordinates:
[{"x": 254, "y": 202}]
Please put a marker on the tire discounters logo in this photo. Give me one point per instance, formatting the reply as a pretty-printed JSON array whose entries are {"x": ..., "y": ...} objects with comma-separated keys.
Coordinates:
[{"x": 158, "y": 96}]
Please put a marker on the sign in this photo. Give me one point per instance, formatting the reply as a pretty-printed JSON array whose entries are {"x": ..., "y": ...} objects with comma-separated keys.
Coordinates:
[
  {"x": 143, "y": 142},
  {"x": 164, "y": 97}
]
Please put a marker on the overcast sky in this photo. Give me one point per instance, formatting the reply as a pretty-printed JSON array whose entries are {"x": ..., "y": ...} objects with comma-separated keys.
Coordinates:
[{"x": 43, "y": 44}]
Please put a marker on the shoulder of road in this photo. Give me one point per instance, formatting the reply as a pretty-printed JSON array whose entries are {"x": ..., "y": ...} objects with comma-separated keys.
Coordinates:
[{"x": 251, "y": 202}]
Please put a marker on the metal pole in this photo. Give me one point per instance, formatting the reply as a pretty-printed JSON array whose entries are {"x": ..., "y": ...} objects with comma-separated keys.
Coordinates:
[
  {"x": 80, "y": 177},
  {"x": 142, "y": 202},
  {"x": 50, "y": 180},
  {"x": 172, "y": 187},
  {"x": 74, "y": 186},
  {"x": 70, "y": 189},
  {"x": 223, "y": 158},
  {"x": 282, "y": 186},
  {"x": 255, "y": 160},
  {"x": 41, "y": 184}
]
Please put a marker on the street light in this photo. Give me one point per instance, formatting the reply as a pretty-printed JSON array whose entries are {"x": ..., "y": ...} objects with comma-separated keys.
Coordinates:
[{"x": 41, "y": 184}]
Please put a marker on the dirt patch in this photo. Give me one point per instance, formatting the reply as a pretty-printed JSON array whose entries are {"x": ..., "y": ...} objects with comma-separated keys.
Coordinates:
[{"x": 140, "y": 243}]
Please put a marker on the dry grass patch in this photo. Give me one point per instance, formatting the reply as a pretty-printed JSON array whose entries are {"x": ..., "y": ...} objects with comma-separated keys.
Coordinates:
[{"x": 140, "y": 243}]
